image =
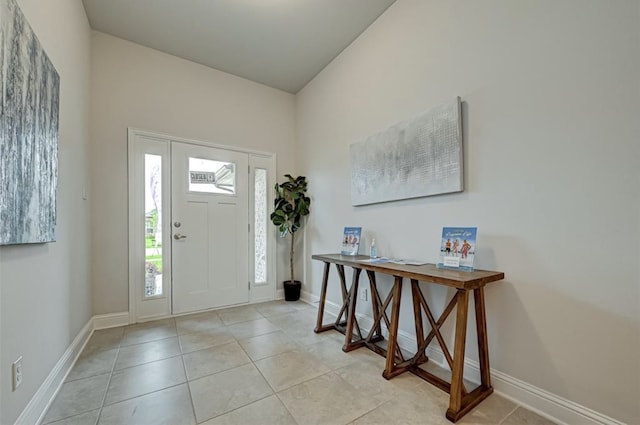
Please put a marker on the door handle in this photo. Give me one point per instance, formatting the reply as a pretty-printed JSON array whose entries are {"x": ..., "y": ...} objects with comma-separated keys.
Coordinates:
[{"x": 178, "y": 236}]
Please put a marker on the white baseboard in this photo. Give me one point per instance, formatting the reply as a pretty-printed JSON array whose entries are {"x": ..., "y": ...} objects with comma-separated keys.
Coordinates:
[
  {"x": 261, "y": 300},
  {"x": 39, "y": 403},
  {"x": 309, "y": 298},
  {"x": 105, "y": 321},
  {"x": 280, "y": 294},
  {"x": 542, "y": 402},
  {"x": 35, "y": 410}
]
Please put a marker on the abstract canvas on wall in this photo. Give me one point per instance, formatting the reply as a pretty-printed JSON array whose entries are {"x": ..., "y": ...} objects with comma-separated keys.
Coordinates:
[
  {"x": 30, "y": 89},
  {"x": 418, "y": 157}
]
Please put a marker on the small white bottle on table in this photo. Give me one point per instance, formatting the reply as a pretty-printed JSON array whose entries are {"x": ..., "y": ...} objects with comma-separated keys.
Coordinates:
[{"x": 373, "y": 252}]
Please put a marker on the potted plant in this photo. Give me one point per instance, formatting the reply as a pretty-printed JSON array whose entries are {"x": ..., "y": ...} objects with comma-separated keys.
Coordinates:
[{"x": 291, "y": 204}]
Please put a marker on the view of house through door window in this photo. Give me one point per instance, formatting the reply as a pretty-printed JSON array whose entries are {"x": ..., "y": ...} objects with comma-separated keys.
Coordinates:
[
  {"x": 211, "y": 176},
  {"x": 153, "y": 225}
]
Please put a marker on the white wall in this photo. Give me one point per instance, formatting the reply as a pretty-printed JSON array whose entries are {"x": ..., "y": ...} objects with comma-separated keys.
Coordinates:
[
  {"x": 134, "y": 86},
  {"x": 45, "y": 293},
  {"x": 550, "y": 116}
]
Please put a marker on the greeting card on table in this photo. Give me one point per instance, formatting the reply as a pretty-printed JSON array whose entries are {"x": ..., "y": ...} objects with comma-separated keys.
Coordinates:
[
  {"x": 351, "y": 240},
  {"x": 457, "y": 248}
]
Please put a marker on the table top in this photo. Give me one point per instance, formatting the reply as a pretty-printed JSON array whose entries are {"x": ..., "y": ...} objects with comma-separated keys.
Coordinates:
[{"x": 426, "y": 273}]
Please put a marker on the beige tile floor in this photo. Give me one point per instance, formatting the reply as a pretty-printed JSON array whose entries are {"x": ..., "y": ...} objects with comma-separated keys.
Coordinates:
[{"x": 258, "y": 364}]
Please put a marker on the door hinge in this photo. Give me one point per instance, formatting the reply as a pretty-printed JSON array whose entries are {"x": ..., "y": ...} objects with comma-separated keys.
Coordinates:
[
  {"x": 249, "y": 285},
  {"x": 249, "y": 169},
  {"x": 249, "y": 227}
]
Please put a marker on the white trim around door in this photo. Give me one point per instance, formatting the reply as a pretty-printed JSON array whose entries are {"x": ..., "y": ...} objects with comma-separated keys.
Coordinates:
[{"x": 151, "y": 298}]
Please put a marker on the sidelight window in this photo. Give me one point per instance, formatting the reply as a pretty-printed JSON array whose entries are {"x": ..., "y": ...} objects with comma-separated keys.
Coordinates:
[
  {"x": 260, "y": 225},
  {"x": 153, "y": 260}
]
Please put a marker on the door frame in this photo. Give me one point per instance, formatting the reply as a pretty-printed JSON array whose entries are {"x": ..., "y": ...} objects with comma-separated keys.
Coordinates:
[{"x": 257, "y": 159}]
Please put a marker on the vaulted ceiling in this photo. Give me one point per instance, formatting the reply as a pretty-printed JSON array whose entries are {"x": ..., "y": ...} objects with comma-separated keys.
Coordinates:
[{"x": 279, "y": 43}]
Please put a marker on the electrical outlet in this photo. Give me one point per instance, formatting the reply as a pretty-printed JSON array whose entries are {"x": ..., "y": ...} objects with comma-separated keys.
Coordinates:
[
  {"x": 16, "y": 373},
  {"x": 363, "y": 294}
]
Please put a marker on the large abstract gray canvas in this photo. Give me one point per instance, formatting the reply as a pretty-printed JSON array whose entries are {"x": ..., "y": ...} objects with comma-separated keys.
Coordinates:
[
  {"x": 421, "y": 156},
  {"x": 30, "y": 87}
]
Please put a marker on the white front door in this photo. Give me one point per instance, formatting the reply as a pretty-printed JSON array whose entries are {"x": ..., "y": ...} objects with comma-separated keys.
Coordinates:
[{"x": 209, "y": 227}]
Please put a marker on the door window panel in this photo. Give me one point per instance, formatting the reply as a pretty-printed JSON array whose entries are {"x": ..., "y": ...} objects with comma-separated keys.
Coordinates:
[{"x": 208, "y": 176}]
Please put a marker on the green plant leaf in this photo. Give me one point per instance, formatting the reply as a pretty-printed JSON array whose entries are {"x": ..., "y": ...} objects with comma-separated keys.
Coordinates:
[{"x": 291, "y": 205}]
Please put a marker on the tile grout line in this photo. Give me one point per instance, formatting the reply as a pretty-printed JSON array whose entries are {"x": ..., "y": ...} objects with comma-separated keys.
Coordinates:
[
  {"x": 286, "y": 408},
  {"x": 275, "y": 393},
  {"x": 509, "y": 414},
  {"x": 66, "y": 381},
  {"x": 142, "y": 364},
  {"x": 184, "y": 367},
  {"x": 104, "y": 397},
  {"x": 251, "y": 361}
]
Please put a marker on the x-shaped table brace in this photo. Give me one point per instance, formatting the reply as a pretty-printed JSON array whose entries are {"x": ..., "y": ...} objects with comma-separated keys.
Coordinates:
[
  {"x": 347, "y": 322},
  {"x": 461, "y": 401},
  {"x": 419, "y": 305},
  {"x": 340, "y": 323}
]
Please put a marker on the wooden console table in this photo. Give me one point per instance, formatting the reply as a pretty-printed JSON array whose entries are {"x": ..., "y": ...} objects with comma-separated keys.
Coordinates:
[{"x": 461, "y": 401}]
